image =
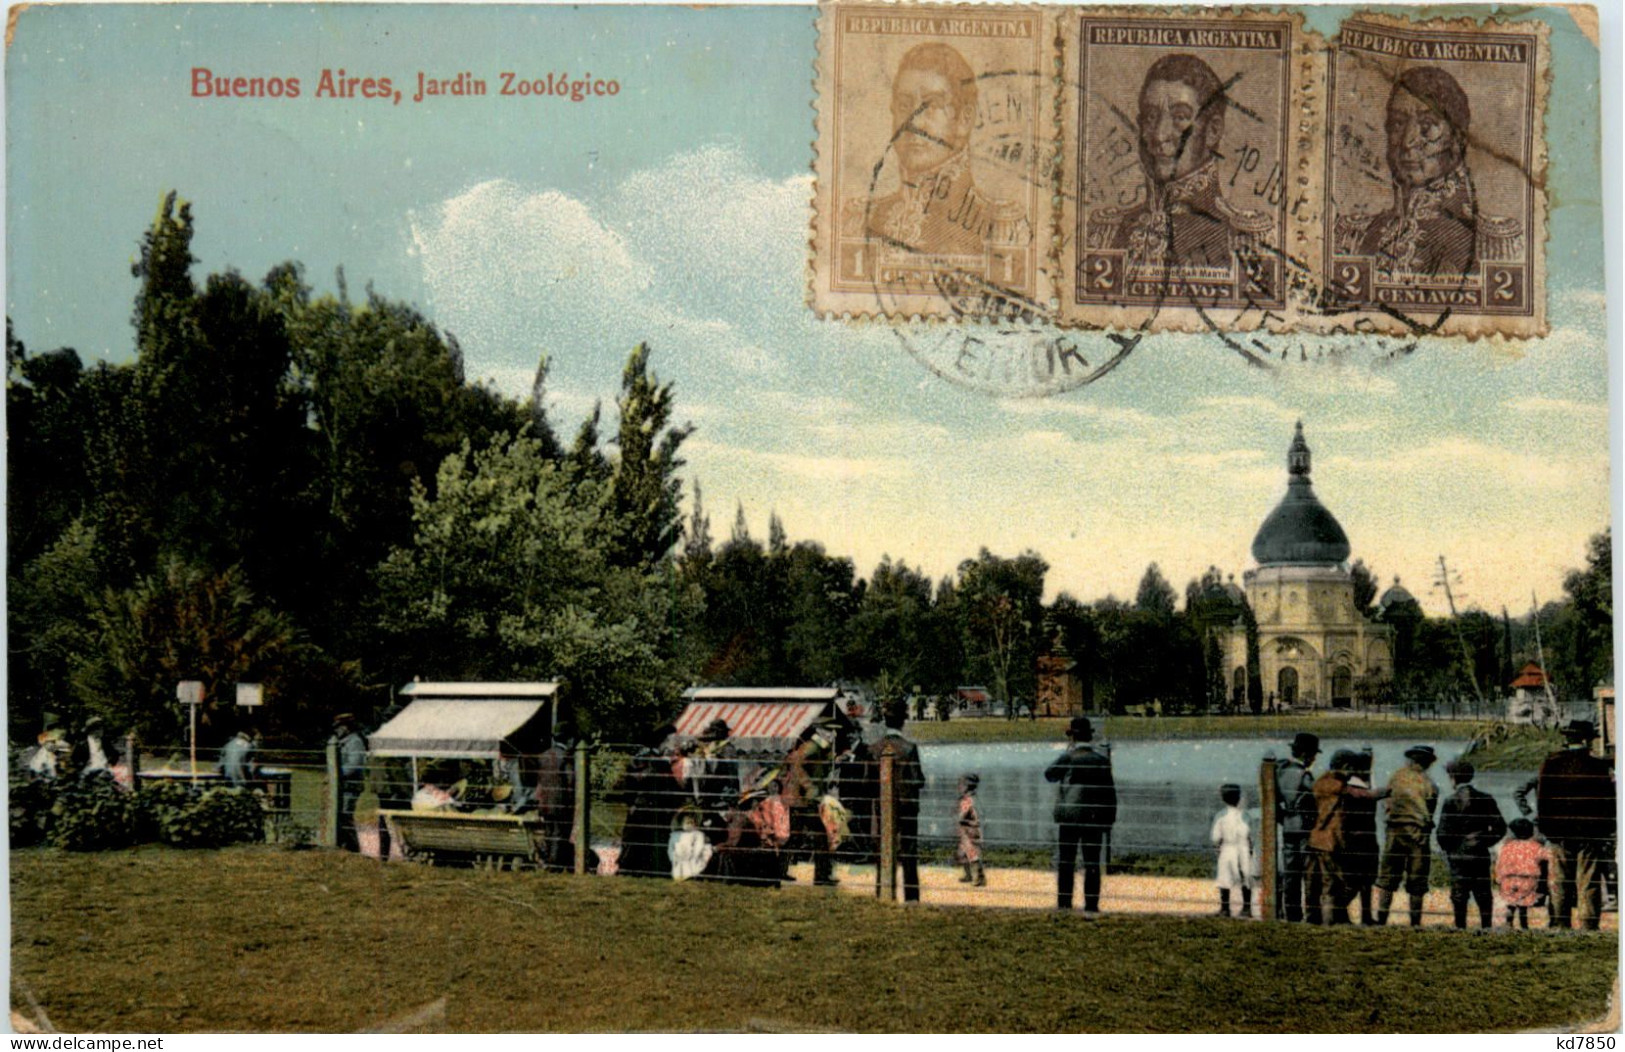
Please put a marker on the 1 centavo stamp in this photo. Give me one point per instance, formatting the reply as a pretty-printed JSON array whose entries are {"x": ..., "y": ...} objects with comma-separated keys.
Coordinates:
[
  {"x": 932, "y": 165},
  {"x": 1435, "y": 202},
  {"x": 1177, "y": 169}
]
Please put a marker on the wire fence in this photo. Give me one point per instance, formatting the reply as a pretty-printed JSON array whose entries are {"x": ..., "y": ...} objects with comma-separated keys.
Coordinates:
[{"x": 760, "y": 819}]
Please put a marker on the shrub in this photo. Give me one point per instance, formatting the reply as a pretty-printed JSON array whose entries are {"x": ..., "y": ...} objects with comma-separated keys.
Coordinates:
[
  {"x": 93, "y": 815},
  {"x": 30, "y": 805},
  {"x": 213, "y": 818}
]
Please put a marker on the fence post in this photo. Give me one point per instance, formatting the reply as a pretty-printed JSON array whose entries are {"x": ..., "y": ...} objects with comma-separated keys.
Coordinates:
[
  {"x": 887, "y": 860},
  {"x": 581, "y": 830},
  {"x": 1266, "y": 839},
  {"x": 330, "y": 804}
]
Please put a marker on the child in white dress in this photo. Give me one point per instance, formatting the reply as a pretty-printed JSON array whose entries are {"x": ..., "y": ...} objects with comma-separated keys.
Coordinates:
[{"x": 1234, "y": 841}]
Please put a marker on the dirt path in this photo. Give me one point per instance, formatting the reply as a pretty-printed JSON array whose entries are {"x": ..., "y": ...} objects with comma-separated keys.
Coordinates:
[{"x": 1035, "y": 889}]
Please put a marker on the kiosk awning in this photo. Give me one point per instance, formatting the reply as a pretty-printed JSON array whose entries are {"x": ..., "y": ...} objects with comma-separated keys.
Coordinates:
[
  {"x": 752, "y": 719},
  {"x": 454, "y": 727}
]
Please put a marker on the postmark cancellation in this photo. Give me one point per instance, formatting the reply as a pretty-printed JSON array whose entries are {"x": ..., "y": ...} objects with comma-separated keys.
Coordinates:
[{"x": 1148, "y": 169}]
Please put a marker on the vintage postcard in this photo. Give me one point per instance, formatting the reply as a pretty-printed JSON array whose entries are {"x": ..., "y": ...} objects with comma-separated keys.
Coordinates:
[{"x": 858, "y": 518}]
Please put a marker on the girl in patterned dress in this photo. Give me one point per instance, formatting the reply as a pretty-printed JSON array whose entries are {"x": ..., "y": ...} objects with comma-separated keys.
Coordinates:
[
  {"x": 969, "y": 854},
  {"x": 1520, "y": 870}
]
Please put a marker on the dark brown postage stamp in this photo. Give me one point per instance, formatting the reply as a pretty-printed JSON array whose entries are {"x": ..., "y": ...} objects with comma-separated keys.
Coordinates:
[
  {"x": 1435, "y": 210},
  {"x": 1179, "y": 153},
  {"x": 935, "y": 141}
]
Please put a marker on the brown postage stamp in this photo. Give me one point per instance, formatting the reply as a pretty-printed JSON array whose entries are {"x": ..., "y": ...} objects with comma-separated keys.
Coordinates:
[
  {"x": 1145, "y": 169},
  {"x": 1435, "y": 204},
  {"x": 935, "y": 147},
  {"x": 1178, "y": 153}
]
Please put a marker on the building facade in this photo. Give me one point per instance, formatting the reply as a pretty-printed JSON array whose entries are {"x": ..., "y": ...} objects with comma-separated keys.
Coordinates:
[{"x": 1316, "y": 648}]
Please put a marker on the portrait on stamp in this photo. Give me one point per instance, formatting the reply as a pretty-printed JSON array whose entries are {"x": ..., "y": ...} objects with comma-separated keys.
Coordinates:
[
  {"x": 1181, "y": 149},
  {"x": 936, "y": 121},
  {"x": 1431, "y": 149}
]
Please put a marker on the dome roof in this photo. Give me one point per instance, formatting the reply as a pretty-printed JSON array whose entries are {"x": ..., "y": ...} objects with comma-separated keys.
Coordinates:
[
  {"x": 1300, "y": 531},
  {"x": 1395, "y": 594}
]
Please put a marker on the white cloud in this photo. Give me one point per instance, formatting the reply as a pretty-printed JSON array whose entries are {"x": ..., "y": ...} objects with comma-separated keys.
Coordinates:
[{"x": 1563, "y": 406}]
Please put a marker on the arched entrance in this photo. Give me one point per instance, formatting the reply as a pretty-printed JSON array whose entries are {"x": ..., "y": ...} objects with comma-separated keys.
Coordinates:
[
  {"x": 1238, "y": 688},
  {"x": 1342, "y": 687},
  {"x": 1286, "y": 686}
]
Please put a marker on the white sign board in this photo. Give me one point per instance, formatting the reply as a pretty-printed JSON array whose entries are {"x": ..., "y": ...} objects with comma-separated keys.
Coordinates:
[
  {"x": 189, "y": 691},
  {"x": 250, "y": 694}
]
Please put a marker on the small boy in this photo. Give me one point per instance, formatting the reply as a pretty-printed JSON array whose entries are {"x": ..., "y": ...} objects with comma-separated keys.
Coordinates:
[
  {"x": 969, "y": 854},
  {"x": 1234, "y": 841}
]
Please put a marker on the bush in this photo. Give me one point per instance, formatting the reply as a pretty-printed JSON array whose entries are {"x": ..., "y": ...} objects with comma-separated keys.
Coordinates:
[
  {"x": 214, "y": 818},
  {"x": 93, "y": 815},
  {"x": 30, "y": 804}
]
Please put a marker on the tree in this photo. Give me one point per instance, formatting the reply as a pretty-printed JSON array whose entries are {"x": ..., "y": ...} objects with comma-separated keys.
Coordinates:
[
  {"x": 645, "y": 490},
  {"x": 1002, "y": 605},
  {"x": 1591, "y": 590},
  {"x": 1365, "y": 586},
  {"x": 511, "y": 575},
  {"x": 1155, "y": 596}
]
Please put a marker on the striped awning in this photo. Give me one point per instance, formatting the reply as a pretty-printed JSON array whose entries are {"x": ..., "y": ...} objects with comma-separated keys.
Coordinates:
[{"x": 752, "y": 719}]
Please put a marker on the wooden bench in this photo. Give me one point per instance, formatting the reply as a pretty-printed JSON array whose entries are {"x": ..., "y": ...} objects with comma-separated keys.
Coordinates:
[{"x": 488, "y": 840}]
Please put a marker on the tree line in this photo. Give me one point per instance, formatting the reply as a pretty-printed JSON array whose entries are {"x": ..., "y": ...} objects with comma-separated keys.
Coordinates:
[{"x": 304, "y": 490}]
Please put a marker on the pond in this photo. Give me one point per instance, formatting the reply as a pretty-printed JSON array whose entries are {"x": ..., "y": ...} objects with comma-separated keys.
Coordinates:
[{"x": 1168, "y": 791}]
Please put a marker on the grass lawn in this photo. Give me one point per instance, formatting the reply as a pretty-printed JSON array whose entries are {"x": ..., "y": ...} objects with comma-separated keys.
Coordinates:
[
  {"x": 1127, "y": 728},
  {"x": 264, "y": 939},
  {"x": 1522, "y": 749}
]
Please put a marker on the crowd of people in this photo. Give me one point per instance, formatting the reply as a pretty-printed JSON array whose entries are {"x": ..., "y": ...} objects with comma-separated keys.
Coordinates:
[{"x": 1330, "y": 854}]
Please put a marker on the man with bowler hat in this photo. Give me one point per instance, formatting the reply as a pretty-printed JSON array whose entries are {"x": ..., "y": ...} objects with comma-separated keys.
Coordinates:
[
  {"x": 1576, "y": 797},
  {"x": 1407, "y": 855},
  {"x": 1470, "y": 824},
  {"x": 1295, "y": 813},
  {"x": 1085, "y": 810}
]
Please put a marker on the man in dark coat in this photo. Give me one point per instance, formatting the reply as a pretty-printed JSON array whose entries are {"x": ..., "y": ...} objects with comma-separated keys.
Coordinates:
[
  {"x": 1470, "y": 824},
  {"x": 1085, "y": 811},
  {"x": 909, "y": 779},
  {"x": 1576, "y": 798},
  {"x": 555, "y": 799},
  {"x": 1295, "y": 814}
]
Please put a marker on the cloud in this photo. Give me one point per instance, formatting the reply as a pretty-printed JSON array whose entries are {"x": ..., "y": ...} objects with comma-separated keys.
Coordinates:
[
  {"x": 798, "y": 465},
  {"x": 1105, "y": 414},
  {"x": 1563, "y": 406}
]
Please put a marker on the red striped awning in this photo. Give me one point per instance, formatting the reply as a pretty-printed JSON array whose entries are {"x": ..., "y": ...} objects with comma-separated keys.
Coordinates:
[{"x": 752, "y": 719}]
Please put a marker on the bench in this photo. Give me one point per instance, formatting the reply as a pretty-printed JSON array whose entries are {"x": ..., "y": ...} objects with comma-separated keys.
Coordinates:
[{"x": 486, "y": 840}]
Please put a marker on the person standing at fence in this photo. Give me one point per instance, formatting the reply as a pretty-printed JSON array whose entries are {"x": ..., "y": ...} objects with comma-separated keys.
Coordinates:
[
  {"x": 1329, "y": 890},
  {"x": 652, "y": 796},
  {"x": 1233, "y": 839},
  {"x": 1361, "y": 848},
  {"x": 1085, "y": 811},
  {"x": 907, "y": 780},
  {"x": 806, "y": 773},
  {"x": 352, "y": 749},
  {"x": 969, "y": 853},
  {"x": 1520, "y": 869},
  {"x": 237, "y": 759},
  {"x": 556, "y": 799},
  {"x": 1295, "y": 816},
  {"x": 1470, "y": 824},
  {"x": 1576, "y": 797},
  {"x": 1407, "y": 855}
]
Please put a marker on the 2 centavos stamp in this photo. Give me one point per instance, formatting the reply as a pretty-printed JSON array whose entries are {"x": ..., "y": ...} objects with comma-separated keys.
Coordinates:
[{"x": 1139, "y": 170}]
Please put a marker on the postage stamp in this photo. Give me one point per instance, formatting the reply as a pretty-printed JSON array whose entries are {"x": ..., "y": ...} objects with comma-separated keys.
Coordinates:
[
  {"x": 1176, "y": 168},
  {"x": 1435, "y": 189},
  {"x": 933, "y": 165}
]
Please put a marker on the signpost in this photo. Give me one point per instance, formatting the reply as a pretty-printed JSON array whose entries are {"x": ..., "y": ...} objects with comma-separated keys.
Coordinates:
[
  {"x": 250, "y": 694},
  {"x": 190, "y": 694}
]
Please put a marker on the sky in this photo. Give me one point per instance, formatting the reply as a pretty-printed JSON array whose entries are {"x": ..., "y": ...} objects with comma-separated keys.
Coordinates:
[{"x": 677, "y": 212}]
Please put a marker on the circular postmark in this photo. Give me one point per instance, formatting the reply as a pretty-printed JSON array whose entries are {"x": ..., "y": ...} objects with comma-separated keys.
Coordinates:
[{"x": 997, "y": 333}]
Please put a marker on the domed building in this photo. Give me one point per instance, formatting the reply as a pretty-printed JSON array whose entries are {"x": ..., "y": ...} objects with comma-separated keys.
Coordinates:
[{"x": 1314, "y": 644}]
